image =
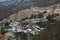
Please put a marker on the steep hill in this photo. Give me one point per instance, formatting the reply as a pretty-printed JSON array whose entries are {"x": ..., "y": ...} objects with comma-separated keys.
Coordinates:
[{"x": 9, "y": 7}]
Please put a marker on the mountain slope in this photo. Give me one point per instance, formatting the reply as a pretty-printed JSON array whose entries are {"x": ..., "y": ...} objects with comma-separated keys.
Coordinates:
[{"x": 13, "y": 6}]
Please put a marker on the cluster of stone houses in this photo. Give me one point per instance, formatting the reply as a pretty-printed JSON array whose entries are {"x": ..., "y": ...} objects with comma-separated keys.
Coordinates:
[{"x": 29, "y": 28}]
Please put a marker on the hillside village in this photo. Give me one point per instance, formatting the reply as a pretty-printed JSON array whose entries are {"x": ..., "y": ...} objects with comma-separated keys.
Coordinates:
[{"x": 40, "y": 22}]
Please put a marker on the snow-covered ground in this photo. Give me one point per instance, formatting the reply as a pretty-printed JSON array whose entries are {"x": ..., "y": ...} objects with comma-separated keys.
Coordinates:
[
  {"x": 8, "y": 2},
  {"x": 2, "y": 0}
]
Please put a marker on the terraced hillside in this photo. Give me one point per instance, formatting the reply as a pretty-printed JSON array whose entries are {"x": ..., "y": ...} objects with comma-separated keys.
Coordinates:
[{"x": 8, "y": 7}]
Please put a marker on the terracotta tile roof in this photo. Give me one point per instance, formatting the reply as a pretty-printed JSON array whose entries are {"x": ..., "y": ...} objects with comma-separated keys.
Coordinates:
[{"x": 2, "y": 37}]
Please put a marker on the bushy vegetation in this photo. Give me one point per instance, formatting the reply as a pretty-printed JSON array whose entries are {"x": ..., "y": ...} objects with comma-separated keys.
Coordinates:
[{"x": 50, "y": 18}]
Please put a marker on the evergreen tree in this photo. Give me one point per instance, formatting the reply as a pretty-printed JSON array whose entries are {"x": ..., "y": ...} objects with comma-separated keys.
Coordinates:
[
  {"x": 2, "y": 30},
  {"x": 8, "y": 38},
  {"x": 50, "y": 18}
]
